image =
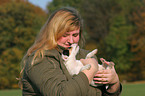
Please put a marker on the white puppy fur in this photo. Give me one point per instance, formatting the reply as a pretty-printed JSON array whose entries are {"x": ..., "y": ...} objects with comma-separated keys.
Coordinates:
[{"x": 75, "y": 66}]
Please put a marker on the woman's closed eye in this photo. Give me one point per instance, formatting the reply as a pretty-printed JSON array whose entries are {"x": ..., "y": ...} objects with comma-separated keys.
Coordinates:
[
  {"x": 65, "y": 35},
  {"x": 76, "y": 34}
]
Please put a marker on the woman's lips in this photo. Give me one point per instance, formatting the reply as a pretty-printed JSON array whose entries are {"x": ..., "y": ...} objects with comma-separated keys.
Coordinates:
[{"x": 67, "y": 45}]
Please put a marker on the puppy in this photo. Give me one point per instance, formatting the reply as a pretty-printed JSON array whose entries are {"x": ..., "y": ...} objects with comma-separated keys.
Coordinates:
[{"x": 75, "y": 66}]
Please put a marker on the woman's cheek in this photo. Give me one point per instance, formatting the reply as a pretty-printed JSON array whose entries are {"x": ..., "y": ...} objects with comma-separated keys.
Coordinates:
[
  {"x": 76, "y": 39},
  {"x": 62, "y": 40}
]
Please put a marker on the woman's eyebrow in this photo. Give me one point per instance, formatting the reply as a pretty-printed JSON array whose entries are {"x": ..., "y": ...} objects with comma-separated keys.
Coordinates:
[{"x": 67, "y": 34}]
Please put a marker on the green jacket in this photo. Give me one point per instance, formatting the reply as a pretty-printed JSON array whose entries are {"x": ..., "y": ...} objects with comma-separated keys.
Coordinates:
[{"x": 49, "y": 77}]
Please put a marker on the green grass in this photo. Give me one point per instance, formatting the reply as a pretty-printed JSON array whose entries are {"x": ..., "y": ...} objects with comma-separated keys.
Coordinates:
[
  {"x": 128, "y": 90},
  {"x": 133, "y": 90},
  {"x": 13, "y": 92}
]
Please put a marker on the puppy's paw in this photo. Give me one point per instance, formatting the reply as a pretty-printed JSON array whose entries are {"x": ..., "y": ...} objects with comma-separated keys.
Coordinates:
[
  {"x": 91, "y": 54},
  {"x": 86, "y": 67}
]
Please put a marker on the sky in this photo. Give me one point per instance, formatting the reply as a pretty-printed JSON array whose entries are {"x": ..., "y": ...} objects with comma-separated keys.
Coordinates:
[{"x": 41, "y": 3}]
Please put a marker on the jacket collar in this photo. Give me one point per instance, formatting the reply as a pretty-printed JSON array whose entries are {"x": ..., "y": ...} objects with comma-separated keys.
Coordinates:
[{"x": 53, "y": 52}]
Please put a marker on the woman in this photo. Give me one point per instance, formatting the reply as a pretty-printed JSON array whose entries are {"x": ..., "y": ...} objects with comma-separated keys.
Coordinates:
[{"x": 44, "y": 73}]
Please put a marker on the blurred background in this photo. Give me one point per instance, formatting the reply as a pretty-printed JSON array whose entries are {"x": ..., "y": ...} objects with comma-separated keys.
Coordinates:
[{"x": 115, "y": 27}]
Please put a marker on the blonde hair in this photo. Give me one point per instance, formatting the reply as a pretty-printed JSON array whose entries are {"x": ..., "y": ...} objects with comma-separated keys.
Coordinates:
[{"x": 62, "y": 20}]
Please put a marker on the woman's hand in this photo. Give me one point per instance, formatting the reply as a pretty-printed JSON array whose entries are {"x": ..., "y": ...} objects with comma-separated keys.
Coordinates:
[
  {"x": 108, "y": 76},
  {"x": 92, "y": 71},
  {"x": 92, "y": 62}
]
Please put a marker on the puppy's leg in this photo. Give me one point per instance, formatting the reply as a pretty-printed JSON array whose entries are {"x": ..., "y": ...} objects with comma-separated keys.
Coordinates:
[
  {"x": 91, "y": 54},
  {"x": 86, "y": 67}
]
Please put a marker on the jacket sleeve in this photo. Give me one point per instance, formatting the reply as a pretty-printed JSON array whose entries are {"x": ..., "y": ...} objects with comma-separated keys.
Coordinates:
[
  {"x": 105, "y": 93},
  {"x": 50, "y": 80}
]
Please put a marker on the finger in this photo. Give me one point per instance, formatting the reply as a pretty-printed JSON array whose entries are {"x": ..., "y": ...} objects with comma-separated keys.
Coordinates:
[
  {"x": 104, "y": 61},
  {"x": 101, "y": 75},
  {"x": 100, "y": 72},
  {"x": 103, "y": 71},
  {"x": 101, "y": 80}
]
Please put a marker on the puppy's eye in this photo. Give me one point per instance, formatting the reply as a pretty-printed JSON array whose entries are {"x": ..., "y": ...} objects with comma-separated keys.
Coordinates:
[{"x": 66, "y": 52}]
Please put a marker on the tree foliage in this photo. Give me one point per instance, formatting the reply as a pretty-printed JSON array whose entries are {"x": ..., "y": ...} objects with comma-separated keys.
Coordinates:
[
  {"x": 138, "y": 43},
  {"x": 97, "y": 15},
  {"x": 19, "y": 24},
  {"x": 112, "y": 29},
  {"x": 55, "y": 4},
  {"x": 4, "y": 1},
  {"x": 117, "y": 43}
]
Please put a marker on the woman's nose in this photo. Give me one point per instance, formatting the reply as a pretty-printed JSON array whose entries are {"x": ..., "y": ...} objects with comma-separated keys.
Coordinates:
[{"x": 70, "y": 40}]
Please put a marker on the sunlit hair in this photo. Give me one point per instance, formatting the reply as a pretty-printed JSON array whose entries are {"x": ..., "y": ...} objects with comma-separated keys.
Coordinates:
[{"x": 62, "y": 20}]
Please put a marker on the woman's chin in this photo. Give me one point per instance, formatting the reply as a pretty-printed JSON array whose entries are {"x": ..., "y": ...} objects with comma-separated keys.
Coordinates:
[{"x": 65, "y": 46}]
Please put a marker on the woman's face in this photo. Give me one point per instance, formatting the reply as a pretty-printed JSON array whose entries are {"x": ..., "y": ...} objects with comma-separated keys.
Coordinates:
[{"x": 69, "y": 38}]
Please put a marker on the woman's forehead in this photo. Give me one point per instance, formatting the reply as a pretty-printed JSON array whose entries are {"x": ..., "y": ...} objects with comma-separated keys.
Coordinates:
[{"x": 74, "y": 31}]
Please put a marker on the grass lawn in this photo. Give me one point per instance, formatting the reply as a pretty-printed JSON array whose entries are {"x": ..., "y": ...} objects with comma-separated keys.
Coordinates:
[
  {"x": 13, "y": 92},
  {"x": 128, "y": 90},
  {"x": 133, "y": 90}
]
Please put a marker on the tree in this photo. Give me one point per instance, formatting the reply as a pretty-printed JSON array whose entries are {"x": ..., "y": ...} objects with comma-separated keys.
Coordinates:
[
  {"x": 55, "y": 4},
  {"x": 19, "y": 24},
  {"x": 118, "y": 39},
  {"x": 109, "y": 27},
  {"x": 4, "y": 1},
  {"x": 138, "y": 43},
  {"x": 106, "y": 23},
  {"x": 117, "y": 44},
  {"x": 97, "y": 17}
]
